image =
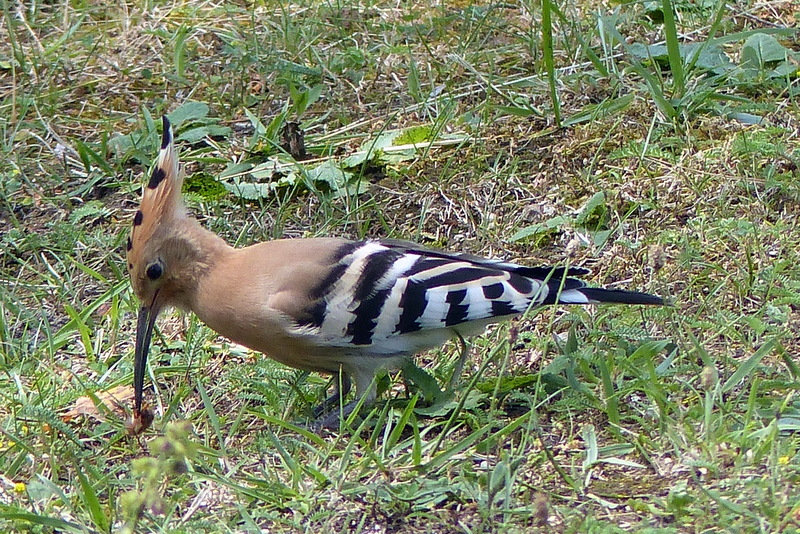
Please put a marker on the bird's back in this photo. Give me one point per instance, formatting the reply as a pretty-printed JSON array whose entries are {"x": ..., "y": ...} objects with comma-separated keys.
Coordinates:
[{"x": 389, "y": 298}]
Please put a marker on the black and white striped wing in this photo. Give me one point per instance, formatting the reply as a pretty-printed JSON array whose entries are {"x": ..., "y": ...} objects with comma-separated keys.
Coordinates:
[
  {"x": 443, "y": 292},
  {"x": 380, "y": 291}
]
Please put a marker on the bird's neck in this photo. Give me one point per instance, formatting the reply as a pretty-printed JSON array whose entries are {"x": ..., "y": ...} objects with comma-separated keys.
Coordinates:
[{"x": 197, "y": 251}]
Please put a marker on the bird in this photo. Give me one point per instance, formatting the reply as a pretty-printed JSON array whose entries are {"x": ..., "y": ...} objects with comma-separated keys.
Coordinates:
[{"x": 347, "y": 308}]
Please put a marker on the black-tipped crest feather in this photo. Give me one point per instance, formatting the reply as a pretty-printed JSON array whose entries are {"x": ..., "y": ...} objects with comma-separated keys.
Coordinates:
[
  {"x": 161, "y": 204},
  {"x": 166, "y": 134}
]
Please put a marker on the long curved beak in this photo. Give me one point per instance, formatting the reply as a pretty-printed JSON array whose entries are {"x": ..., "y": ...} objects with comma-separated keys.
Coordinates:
[{"x": 144, "y": 333}]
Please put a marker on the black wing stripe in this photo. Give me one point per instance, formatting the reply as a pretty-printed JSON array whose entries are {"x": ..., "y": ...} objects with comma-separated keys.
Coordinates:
[
  {"x": 493, "y": 291},
  {"x": 413, "y": 303},
  {"x": 362, "y": 327},
  {"x": 377, "y": 266},
  {"x": 501, "y": 308},
  {"x": 327, "y": 284},
  {"x": 314, "y": 315},
  {"x": 426, "y": 264},
  {"x": 457, "y": 312},
  {"x": 537, "y": 273},
  {"x": 347, "y": 249},
  {"x": 371, "y": 292},
  {"x": 463, "y": 275},
  {"x": 520, "y": 284}
]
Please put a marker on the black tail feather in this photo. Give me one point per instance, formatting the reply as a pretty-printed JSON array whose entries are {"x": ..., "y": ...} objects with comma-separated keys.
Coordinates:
[{"x": 620, "y": 296}]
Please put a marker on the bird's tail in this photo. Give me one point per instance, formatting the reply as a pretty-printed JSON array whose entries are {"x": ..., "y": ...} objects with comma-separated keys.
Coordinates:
[
  {"x": 596, "y": 295},
  {"x": 620, "y": 296}
]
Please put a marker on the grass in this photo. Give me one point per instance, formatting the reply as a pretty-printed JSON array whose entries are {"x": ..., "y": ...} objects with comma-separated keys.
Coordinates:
[{"x": 655, "y": 142}]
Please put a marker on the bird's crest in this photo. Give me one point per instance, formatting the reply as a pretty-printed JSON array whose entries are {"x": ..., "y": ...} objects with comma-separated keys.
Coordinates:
[{"x": 161, "y": 198}]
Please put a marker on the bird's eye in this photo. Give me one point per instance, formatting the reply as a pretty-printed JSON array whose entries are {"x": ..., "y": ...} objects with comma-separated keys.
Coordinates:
[{"x": 154, "y": 271}]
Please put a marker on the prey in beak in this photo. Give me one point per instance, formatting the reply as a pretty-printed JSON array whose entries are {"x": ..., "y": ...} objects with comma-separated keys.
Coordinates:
[{"x": 142, "y": 416}]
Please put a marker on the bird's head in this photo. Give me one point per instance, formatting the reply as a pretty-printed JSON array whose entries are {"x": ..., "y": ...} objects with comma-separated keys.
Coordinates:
[{"x": 156, "y": 250}]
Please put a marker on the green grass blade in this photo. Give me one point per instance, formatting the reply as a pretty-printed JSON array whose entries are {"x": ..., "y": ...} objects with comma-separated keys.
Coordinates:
[
  {"x": 213, "y": 418},
  {"x": 549, "y": 59},
  {"x": 673, "y": 48},
  {"x": 92, "y": 502},
  {"x": 748, "y": 366}
]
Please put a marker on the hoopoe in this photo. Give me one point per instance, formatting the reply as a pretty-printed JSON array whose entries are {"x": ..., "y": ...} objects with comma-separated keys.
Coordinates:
[{"x": 346, "y": 308}]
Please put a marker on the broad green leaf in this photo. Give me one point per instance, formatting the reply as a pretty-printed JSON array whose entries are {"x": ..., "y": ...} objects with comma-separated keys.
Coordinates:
[
  {"x": 384, "y": 140},
  {"x": 600, "y": 237},
  {"x": 386, "y": 148},
  {"x": 705, "y": 56},
  {"x": 785, "y": 69},
  {"x": 190, "y": 111},
  {"x": 235, "y": 169},
  {"x": 648, "y": 350},
  {"x": 357, "y": 159},
  {"x": 251, "y": 191},
  {"x": 427, "y": 384},
  {"x": 595, "y": 203},
  {"x": 330, "y": 174},
  {"x": 761, "y": 49},
  {"x": 507, "y": 383},
  {"x": 746, "y": 118},
  {"x": 789, "y": 424},
  {"x": 540, "y": 228},
  {"x": 195, "y": 135},
  {"x": 414, "y": 135}
]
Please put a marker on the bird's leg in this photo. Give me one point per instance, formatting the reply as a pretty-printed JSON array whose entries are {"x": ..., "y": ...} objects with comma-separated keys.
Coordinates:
[
  {"x": 340, "y": 391},
  {"x": 367, "y": 393},
  {"x": 330, "y": 420},
  {"x": 462, "y": 359}
]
